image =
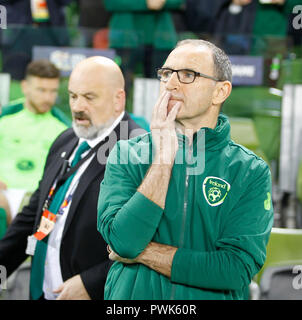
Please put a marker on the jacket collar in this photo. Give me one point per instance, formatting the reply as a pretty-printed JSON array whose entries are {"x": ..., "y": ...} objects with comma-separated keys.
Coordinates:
[{"x": 215, "y": 139}]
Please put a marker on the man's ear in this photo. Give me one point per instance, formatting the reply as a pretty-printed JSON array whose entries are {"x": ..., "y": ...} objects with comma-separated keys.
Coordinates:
[
  {"x": 222, "y": 92},
  {"x": 119, "y": 101}
]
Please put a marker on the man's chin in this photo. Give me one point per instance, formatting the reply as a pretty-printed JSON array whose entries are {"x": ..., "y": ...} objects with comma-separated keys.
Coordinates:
[
  {"x": 86, "y": 132},
  {"x": 42, "y": 110},
  {"x": 171, "y": 105}
]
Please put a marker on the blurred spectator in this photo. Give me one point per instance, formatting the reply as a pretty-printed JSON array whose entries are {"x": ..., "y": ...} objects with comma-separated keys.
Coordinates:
[
  {"x": 241, "y": 16},
  {"x": 142, "y": 30},
  {"x": 92, "y": 14},
  {"x": 273, "y": 19},
  {"x": 228, "y": 23},
  {"x": 28, "y": 128},
  {"x": 30, "y": 23},
  {"x": 236, "y": 21},
  {"x": 93, "y": 17},
  {"x": 42, "y": 12}
]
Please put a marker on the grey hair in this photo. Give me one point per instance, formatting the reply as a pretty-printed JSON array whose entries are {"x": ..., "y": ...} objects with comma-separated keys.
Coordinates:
[{"x": 222, "y": 63}]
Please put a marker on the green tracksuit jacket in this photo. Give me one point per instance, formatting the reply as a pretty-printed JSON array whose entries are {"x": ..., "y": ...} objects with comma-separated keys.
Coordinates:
[
  {"x": 25, "y": 139},
  {"x": 218, "y": 213}
]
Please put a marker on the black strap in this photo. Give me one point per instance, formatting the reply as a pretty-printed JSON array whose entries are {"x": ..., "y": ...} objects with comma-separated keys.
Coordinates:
[{"x": 67, "y": 171}]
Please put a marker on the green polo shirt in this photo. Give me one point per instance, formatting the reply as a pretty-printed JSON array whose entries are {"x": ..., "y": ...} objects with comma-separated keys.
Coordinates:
[{"x": 25, "y": 139}]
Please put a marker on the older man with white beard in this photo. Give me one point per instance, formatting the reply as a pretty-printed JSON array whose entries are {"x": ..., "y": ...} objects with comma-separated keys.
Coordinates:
[{"x": 58, "y": 227}]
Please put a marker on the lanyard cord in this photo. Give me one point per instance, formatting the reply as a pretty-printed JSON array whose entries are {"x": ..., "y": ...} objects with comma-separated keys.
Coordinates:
[{"x": 65, "y": 174}]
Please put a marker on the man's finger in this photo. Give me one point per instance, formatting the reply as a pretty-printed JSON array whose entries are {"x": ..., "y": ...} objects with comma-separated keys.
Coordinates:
[
  {"x": 173, "y": 113},
  {"x": 156, "y": 107},
  {"x": 59, "y": 289},
  {"x": 163, "y": 107}
]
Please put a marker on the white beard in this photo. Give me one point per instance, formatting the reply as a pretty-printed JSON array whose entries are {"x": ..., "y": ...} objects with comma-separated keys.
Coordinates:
[{"x": 91, "y": 132}]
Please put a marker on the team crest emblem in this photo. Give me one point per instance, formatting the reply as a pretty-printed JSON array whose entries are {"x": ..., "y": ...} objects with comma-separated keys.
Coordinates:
[
  {"x": 215, "y": 190},
  {"x": 25, "y": 165}
]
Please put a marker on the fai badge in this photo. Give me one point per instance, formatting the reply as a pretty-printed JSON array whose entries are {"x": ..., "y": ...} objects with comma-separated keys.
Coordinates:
[
  {"x": 25, "y": 165},
  {"x": 215, "y": 190}
]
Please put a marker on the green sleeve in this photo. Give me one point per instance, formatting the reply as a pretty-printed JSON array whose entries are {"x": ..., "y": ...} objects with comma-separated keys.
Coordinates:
[
  {"x": 240, "y": 251},
  {"x": 127, "y": 220},
  {"x": 290, "y": 4},
  {"x": 138, "y": 5},
  {"x": 126, "y": 5},
  {"x": 60, "y": 115},
  {"x": 12, "y": 108}
]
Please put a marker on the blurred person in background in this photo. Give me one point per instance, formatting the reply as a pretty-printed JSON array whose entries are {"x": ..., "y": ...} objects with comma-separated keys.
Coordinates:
[
  {"x": 142, "y": 30},
  {"x": 5, "y": 212},
  {"x": 39, "y": 12},
  {"x": 93, "y": 18},
  {"x": 31, "y": 23},
  {"x": 29, "y": 127}
]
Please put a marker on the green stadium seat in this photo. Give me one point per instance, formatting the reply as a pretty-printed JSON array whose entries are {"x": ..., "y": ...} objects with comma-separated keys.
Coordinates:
[
  {"x": 243, "y": 132},
  {"x": 284, "y": 252}
]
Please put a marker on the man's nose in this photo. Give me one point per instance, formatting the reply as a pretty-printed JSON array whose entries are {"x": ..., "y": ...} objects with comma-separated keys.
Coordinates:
[
  {"x": 78, "y": 104},
  {"x": 173, "y": 82},
  {"x": 50, "y": 97}
]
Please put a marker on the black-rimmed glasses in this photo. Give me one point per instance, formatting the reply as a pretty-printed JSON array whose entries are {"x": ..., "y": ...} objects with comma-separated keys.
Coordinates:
[{"x": 183, "y": 75}]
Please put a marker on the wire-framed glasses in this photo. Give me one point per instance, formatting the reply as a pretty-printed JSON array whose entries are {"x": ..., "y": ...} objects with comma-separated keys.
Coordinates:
[{"x": 183, "y": 75}]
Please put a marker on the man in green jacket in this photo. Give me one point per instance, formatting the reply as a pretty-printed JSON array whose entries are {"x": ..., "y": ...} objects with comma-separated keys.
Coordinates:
[{"x": 186, "y": 212}]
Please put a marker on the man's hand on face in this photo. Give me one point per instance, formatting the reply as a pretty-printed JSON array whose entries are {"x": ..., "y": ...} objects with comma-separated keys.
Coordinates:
[
  {"x": 163, "y": 130},
  {"x": 72, "y": 289},
  {"x": 155, "y": 4}
]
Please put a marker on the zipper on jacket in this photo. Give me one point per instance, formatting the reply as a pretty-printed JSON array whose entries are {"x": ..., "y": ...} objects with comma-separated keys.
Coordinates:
[{"x": 184, "y": 213}]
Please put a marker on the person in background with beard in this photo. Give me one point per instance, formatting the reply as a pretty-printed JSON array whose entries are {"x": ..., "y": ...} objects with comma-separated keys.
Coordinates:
[
  {"x": 59, "y": 226},
  {"x": 29, "y": 127}
]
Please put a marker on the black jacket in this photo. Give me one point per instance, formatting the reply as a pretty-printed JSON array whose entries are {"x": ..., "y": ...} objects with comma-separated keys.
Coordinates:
[{"x": 83, "y": 250}]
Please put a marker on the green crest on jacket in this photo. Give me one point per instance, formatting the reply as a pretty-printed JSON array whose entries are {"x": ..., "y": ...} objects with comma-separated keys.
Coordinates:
[{"x": 215, "y": 190}]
